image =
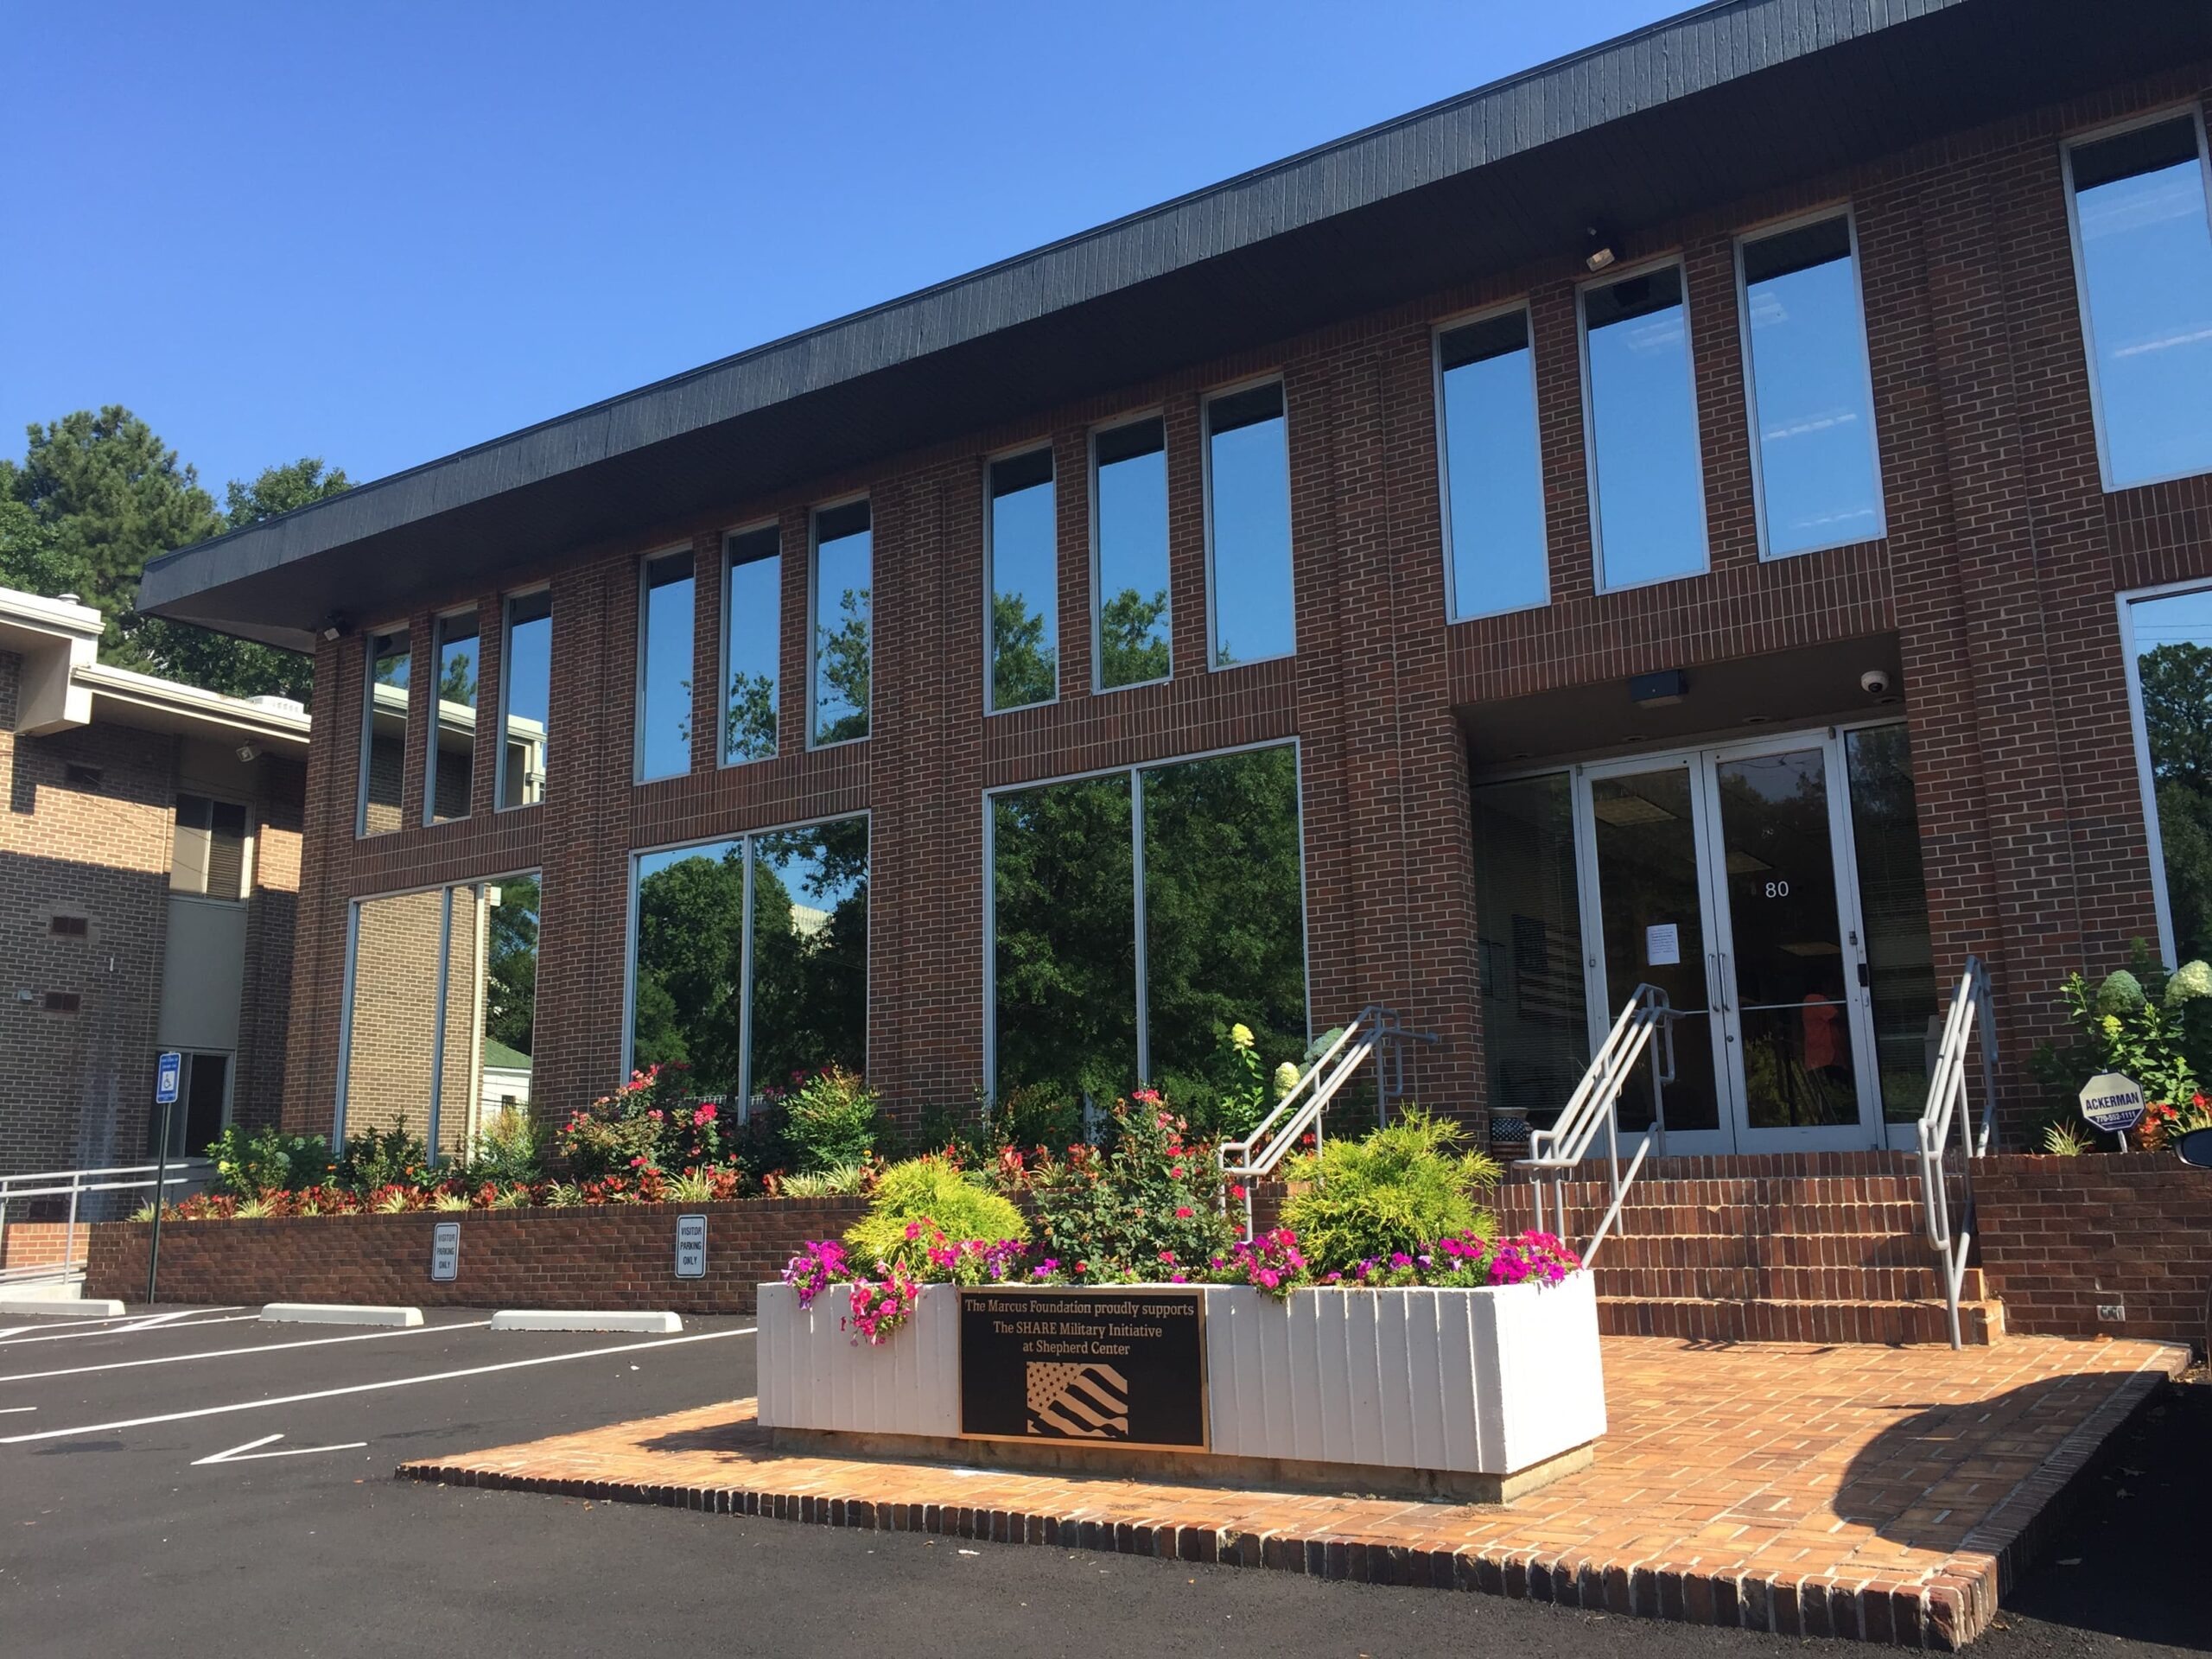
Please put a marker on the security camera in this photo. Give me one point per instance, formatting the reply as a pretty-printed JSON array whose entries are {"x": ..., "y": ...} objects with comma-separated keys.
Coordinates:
[
  {"x": 247, "y": 753},
  {"x": 1874, "y": 682}
]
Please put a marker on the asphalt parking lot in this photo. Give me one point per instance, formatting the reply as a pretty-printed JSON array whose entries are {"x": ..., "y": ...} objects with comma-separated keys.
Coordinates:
[{"x": 167, "y": 1476}]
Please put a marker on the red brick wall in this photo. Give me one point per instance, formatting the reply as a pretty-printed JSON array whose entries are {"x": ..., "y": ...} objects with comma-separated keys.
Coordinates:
[
  {"x": 1996, "y": 579},
  {"x": 620, "y": 1257},
  {"x": 42, "y": 1244},
  {"x": 2062, "y": 1237}
]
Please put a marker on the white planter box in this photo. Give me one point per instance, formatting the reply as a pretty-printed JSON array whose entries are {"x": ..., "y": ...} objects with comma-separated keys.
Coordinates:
[{"x": 1485, "y": 1382}]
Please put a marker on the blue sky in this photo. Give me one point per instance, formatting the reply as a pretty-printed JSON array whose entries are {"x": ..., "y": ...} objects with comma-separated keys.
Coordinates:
[{"x": 381, "y": 232}]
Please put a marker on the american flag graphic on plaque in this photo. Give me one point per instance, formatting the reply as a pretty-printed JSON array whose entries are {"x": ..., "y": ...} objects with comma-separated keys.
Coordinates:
[{"x": 1078, "y": 1401}]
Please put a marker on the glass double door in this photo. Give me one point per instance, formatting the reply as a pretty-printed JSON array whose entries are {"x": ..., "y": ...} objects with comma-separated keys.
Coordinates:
[{"x": 1723, "y": 876}]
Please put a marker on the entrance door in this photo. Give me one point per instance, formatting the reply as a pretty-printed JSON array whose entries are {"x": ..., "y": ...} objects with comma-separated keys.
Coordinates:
[{"x": 1722, "y": 875}]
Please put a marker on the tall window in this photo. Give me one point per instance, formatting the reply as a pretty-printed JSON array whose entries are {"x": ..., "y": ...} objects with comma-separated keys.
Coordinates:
[
  {"x": 2168, "y": 638},
  {"x": 209, "y": 854},
  {"x": 747, "y": 993},
  {"x": 1812, "y": 407},
  {"x": 1023, "y": 623},
  {"x": 525, "y": 697},
  {"x": 665, "y": 624},
  {"x": 1528, "y": 924},
  {"x": 1493, "y": 475},
  {"x": 1646, "y": 481},
  {"x": 452, "y": 751},
  {"x": 383, "y": 733},
  {"x": 1250, "y": 601},
  {"x": 440, "y": 1010},
  {"x": 2143, "y": 245},
  {"x": 753, "y": 612},
  {"x": 843, "y": 626},
  {"x": 1137, "y": 917},
  {"x": 1129, "y": 589}
]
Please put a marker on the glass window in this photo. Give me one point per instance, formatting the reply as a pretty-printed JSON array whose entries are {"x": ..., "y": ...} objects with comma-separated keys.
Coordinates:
[
  {"x": 1248, "y": 527},
  {"x": 752, "y": 611},
  {"x": 1024, "y": 619},
  {"x": 1493, "y": 475},
  {"x": 1129, "y": 467},
  {"x": 1064, "y": 893},
  {"x": 1812, "y": 411},
  {"x": 1893, "y": 904},
  {"x": 383, "y": 733},
  {"x": 452, "y": 756},
  {"x": 2146, "y": 249},
  {"x": 1529, "y": 923},
  {"x": 665, "y": 625},
  {"x": 209, "y": 854},
  {"x": 1214, "y": 912},
  {"x": 803, "y": 996},
  {"x": 527, "y": 688},
  {"x": 809, "y": 1004},
  {"x": 1224, "y": 920},
  {"x": 2171, "y": 638},
  {"x": 1646, "y": 479},
  {"x": 844, "y": 553},
  {"x": 203, "y": 1106},
  {"x": 442, "y": 1005}
]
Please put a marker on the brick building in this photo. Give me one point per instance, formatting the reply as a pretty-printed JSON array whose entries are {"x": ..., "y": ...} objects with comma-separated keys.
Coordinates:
[
  {"x": 150, "y": 864},
  {"x": 1696, "y": 513}
]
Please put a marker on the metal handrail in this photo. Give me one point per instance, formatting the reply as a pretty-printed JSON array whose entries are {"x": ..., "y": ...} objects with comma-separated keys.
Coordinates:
[
  {"x": 1971, "y": 1014},
  {"x": 1299, "y": 1110},
  {"x": 1595, "y": 1104},
  {"x": 74, "y": 1184}
]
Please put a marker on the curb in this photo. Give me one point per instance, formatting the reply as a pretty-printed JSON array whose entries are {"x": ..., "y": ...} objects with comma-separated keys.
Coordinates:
[
  {"x": 516, "y": 1319},
  {"x": 60, "y": 1307},
  {"x": 339, "y": 1313}
]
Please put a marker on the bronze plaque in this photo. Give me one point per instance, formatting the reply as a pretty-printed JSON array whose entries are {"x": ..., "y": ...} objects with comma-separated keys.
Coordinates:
[{"x": 1118, "y": 1367}]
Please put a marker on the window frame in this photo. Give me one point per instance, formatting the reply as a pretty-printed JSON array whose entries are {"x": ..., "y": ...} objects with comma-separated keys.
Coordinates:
[
  {"x": 1583, "y": 289},
  {"x": 1442, "y": 327},
  {"x": 2139, "y": 737},
  {"x": 813, "y": 611},
  {"x": 1206, "y": 401},
  {"x": 438, "y": 621},
  {"x": 1135, "y": 418},
  {"x": 2070, "y": 143},
  {"x": 249, "y": 850},
  {"x": 642, "y": 640},
  {"x": 1014, "y": 451},
  {"x": 721, "y": 689},
  {"x": 1134, "y": 771},
  {"x": 746, "y": 837},
  {"x": 1847, "y": 211},
  {"x": 506, "y": 679},
  {"x": 368, "y": 730}
]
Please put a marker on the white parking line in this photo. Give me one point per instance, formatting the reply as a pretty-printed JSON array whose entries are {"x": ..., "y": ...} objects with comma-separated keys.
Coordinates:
[
  {"x": 78, "y": 1326},
  {"x": 246, "y": 1453},
  {"x": 10, "y": 1411},
  {"x": 258, "y": 1348},
  {"x": 371, "y": 1388},
  {"x": 168, "y": 1323}
]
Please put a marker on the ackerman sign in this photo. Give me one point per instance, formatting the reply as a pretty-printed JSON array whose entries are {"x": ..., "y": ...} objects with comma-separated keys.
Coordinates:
[
  {"x": 1106, "y": 1367},
  {"x": 2112, "y": 1103}
]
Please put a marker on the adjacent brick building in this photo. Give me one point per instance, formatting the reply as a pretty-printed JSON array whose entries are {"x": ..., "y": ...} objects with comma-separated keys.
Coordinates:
[
  {"x": 1912, "y": 742},
  {"x": 149, "y": 861}
]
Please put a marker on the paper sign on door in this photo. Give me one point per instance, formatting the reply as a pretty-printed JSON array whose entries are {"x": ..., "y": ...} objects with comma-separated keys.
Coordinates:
[{"x": 1663, "y": 944}]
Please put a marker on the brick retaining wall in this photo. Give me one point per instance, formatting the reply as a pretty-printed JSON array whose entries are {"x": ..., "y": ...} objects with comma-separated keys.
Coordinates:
[
  {"x": 42, "y": 1243},
  {"x": 2062, "y": 1235},
  {"x": 598, "y": 1258}
]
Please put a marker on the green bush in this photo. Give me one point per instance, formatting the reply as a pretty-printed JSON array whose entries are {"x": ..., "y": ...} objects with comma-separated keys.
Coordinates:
[
  {"x": 1395, "y": 1189},
  {"x": 1035, "y": 1115},
  {"x": 1147, "y": 1210},
  {"x": 379, "y": 1157},
  {"x": 506, "y": 1151},
  {"x": 930, "y": 1189},
  {"x": 248, "y": 1165},
  {"x": 831, "y": 1120}
]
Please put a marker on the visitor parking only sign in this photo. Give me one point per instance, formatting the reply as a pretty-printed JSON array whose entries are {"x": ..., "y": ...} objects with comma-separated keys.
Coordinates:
[
  {"x": 1095, "y": 1366},
  {"x": 2112, "y": 1103}
]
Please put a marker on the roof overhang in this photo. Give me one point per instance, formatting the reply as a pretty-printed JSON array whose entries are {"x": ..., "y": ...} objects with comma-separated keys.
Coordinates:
[{"x": 1718, "y": 104}]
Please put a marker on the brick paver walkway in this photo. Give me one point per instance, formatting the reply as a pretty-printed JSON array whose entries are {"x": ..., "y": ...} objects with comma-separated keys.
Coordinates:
[{"x": 1882, "y": 1493}]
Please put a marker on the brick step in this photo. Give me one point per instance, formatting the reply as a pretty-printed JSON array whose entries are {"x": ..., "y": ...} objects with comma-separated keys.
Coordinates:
[
  {"x": 1766, "y": 1249},
  {"x": 1706, "y": 1282},
  {"x": 1741, "y": 1221},
  {"x": 1980, "y": 1323},
  {"x": 1740, "y": 1190}
]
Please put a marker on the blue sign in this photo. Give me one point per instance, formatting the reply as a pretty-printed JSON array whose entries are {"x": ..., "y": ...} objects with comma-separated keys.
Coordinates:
[{"x": 166, "y": 1072}]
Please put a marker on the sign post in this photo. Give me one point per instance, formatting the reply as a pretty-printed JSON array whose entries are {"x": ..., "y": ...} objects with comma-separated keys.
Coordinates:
[
  {"x": 2112, "y": 1103},
  {"x": 168, "y": 1070}
]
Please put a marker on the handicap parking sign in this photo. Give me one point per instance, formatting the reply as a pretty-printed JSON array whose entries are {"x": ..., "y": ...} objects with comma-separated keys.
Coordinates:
[{"x": 166, "y": 1072}]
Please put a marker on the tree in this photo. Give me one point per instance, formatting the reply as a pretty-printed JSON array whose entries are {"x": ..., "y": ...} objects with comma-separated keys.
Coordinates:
[
  {"x": 2177, "y": 682},
  {"x": 1024, "y": 669},
  {"x": 1132, "y": 643},
  {"x": 841, "y": 693},
  {"x": 749, "y": 732},
  {"x": 511, "y": 978},
  {"x": 29, "y": 560}
]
